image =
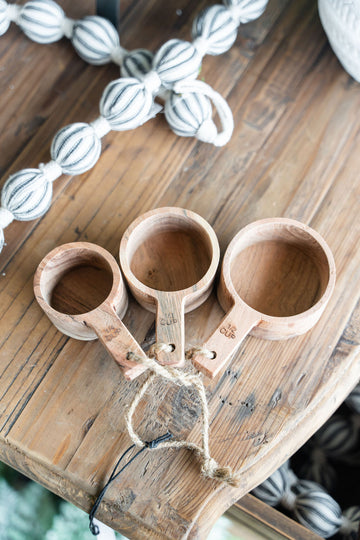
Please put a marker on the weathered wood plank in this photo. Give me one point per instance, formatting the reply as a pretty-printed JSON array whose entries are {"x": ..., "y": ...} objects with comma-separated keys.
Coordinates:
[{"x": 293, "y": 153}]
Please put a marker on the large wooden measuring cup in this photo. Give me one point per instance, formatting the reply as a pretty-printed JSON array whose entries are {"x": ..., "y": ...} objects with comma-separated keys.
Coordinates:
[
  {"x": 80, "y": 288},
  {"x": 277, "y": 277},
  {"x": 169, "y": 257}
]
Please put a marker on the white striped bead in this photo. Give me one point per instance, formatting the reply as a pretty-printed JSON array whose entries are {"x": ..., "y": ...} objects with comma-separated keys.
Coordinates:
[
  {"x": 27, "y": 194},
  {"x": 244, "y": 11},
  {"x": 42, "y": 21},
  {"x": 137, "y": 63},
  {"x": 215, "y": 25},
  {"x": 303, "y": 486},
  {"x": 272, "y": 490},
  {"x": 176, "y": 60},
  {"x": 4, "y": 17},
  {"x": 95, "y": 39},
  {"x": 76, "y": 148},
  {"x": 338, "y": 436},
  {"x": 126, "y": 104},
  {"x": 186, "y": 113},
  {"x": 317, "y": 469},
  {"x": 319, "y": 512}
]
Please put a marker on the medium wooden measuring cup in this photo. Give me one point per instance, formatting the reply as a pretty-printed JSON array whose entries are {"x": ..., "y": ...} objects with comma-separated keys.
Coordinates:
[
  {"x": 169, "y": 257},
  {"x": 277, "y": 277},
  {"x": 80, "y": 288}
]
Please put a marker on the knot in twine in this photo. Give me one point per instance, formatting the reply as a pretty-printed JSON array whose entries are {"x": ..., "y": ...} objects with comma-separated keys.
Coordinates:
[
  {"x": 6, "y": 217},
  {"x": 209, "y": 466}
]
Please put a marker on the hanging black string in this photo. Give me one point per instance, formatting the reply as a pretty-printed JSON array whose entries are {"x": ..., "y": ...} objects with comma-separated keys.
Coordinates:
[{"x": 115, "y": 473}]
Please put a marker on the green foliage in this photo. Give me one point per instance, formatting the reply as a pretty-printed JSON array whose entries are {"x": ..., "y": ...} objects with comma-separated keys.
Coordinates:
[
  {"x": 30, "y": 512},
  {"x": 26, "y": 513},
  {"x": 70, "y": 524}
]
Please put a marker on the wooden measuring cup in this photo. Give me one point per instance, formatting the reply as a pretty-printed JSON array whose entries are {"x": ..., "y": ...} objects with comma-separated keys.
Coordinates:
[
  {"x": 277, "y": 277},
  {"x": 169, "y": 257},
  {"x": 80, "y": 288}
]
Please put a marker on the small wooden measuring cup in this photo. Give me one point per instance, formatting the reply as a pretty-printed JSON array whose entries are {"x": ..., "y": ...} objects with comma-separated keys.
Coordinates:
[
  {"x": 169, "y": 257},
  {"x": 277, "y": 277},
  {"x": 80, "y": 288}
]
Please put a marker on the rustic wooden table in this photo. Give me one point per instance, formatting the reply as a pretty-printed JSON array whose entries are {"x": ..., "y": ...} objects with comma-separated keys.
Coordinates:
[{"x": 294, "y": 153}]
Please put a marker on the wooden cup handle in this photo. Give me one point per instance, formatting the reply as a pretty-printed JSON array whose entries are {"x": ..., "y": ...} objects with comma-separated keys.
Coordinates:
[
  {"x": 116, "y": 338},
  {"x": 170, "y": 321},
  {"x": 225, "y": 340}
]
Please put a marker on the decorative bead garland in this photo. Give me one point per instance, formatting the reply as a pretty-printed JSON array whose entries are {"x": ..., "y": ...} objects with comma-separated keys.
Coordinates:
[
  {"x": 127, "y": 102},
  {"x": 311, "y": 505},
  {"x": 308, "y": 499}
]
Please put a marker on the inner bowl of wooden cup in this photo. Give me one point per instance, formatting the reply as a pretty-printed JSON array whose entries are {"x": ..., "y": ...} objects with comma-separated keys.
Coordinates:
[
  {"x": 280, "y": 269},
  {"x": 76, "y": 280},
  {"x": 168, "y": 252}
]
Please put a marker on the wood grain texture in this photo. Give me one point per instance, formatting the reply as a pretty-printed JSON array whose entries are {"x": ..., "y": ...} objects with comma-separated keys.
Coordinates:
[
  {"x": 276, "y": 279},
  {"x": 268, "y": 521},
  {"x": 80, "y": 288},
  {"x": 169, "y": 257},
  {"x": 294, "y": 153}
]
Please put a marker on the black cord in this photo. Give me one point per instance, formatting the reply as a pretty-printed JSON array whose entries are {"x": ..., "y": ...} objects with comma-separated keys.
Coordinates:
[{"x": 115, "y": 473}]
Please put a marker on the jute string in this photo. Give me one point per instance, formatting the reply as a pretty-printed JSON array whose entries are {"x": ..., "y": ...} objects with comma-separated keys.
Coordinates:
[{"x": 209, "y": 467}]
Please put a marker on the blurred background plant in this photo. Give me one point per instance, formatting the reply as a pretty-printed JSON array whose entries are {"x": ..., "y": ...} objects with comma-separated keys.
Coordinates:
[{"x": 30, "y": 512}]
